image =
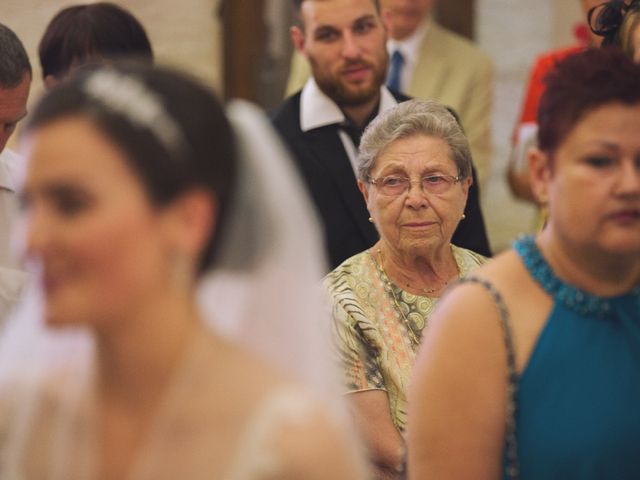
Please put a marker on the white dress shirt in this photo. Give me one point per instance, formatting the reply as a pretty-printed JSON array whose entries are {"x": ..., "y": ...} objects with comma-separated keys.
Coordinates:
[
  {"x": 318, "y": 110},
  {"x": 12, "y": 277}
]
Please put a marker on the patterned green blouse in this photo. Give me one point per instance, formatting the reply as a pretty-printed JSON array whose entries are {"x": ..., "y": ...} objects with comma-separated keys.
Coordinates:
[{"x": 374, "y": 340}]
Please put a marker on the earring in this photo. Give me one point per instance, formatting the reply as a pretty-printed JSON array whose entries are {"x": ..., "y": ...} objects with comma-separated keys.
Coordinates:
[
  {"x": 463, "y": 217},
  {"x": 370, "y": 220},
  {"x": 181, "y": 270},
  {"x": 543, "y": 217}
]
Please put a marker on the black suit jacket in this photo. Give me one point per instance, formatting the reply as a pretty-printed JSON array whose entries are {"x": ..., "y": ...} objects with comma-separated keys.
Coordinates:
[{"x": 329, "y": 177}]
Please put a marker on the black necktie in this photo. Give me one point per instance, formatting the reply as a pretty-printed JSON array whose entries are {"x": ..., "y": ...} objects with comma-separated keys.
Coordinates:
[{"x": 354, "y": 133}]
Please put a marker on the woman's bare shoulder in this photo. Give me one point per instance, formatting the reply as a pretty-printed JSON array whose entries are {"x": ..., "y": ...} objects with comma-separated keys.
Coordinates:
[
  {"x": 247, "y": 372},
  {"x": 474, "y": 312},
  {"x": 470, "y": 312},
  {"x": 313, "y": 441},
  {"x": 505, "y": 273},
  {"x": 505, "y": 268}
]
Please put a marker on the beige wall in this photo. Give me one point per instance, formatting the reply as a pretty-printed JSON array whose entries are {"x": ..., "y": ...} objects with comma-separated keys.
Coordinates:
[
  {"x": 566, "y": 14},
  {"x": 514, "y": 32},
  {"x": 183, "y": 33}
]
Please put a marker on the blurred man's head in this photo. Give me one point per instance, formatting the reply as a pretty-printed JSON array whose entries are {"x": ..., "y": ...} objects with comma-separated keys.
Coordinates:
[
  {"x": 344, "y": 42},
  {"x": 15, "y": 80},
  {"x": 406, "y": 15},
  {"x": 90, "y": 33}
]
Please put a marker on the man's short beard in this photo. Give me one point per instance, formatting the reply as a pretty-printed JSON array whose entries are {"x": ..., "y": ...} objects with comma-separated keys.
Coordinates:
[{"x": 345, "y": 97}]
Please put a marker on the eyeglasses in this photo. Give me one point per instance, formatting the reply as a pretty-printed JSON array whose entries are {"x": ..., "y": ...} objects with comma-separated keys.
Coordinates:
[{"x": 394, "y": 185}]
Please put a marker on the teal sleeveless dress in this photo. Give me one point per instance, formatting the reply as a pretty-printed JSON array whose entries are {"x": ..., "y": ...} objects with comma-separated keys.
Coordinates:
[{"x": 577, "y": 402}]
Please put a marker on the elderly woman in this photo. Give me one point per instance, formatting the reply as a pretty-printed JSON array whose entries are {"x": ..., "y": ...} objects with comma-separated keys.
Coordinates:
[
  {"x": 414, "y": 172},
  {"x": 530, "y": 370}
]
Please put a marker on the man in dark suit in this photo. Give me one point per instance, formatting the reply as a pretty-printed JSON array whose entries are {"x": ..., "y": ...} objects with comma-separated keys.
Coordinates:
[{"x": 344, "y": 42}]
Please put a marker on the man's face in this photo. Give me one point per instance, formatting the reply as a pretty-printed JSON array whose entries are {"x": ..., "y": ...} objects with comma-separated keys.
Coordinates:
[
  {"x": 344, "y": 41},
  {"x": 13, "y": 108},
  {"x": 406, "y": 15}
]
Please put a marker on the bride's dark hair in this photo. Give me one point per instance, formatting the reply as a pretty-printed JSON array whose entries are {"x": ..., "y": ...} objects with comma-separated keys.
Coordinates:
[{"x": 174, "y": 131}]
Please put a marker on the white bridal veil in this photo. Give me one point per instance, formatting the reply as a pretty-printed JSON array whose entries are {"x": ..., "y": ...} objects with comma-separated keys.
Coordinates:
[{"x": 264, "y": 294}]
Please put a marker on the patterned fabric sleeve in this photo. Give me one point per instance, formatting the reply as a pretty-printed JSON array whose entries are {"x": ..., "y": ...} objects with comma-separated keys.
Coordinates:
[{"x": 359, "y": 358}]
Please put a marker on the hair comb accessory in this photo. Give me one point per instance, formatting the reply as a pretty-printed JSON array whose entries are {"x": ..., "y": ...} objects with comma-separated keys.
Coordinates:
[
  {"x": 605, "y": 19},
  {"x": 127, "y": 96}
]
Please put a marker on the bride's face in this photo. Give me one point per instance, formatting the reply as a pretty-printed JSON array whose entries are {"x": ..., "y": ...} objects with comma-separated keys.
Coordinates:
[{"x": 89, "y": 226}]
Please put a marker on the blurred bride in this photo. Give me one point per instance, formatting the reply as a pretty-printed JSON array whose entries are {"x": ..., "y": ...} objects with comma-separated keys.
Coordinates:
[{"x": 137, "y": 184}]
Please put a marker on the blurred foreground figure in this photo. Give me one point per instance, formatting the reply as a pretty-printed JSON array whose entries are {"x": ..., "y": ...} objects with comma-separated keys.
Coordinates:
[
  {"x": 90, "y": 33},
  {"x": 136, "y": 186},
  {"x": 529, "y": 370},
  {"x": 15, "y": 81}
]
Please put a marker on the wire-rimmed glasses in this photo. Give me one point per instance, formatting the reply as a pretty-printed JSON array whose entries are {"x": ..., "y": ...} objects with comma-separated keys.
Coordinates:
[{"x": 394, "y": 185}]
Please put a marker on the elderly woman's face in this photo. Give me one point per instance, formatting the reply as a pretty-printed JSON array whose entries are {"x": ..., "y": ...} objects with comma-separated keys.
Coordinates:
[
  {"x": 593, "y": 183},
  {"x": 416, "y": 219}
]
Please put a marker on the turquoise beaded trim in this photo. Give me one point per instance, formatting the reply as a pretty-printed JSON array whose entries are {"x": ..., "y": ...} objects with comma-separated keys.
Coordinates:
[{"x": 572, "y": 297}]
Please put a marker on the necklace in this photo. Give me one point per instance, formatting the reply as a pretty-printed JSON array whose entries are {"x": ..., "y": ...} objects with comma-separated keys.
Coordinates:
[
  {"x": 385, "y": 279},
  {"x": 407, "y": 284}
]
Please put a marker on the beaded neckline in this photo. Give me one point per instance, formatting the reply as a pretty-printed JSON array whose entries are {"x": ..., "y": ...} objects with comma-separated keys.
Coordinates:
[{"x": 570, "y": 296}]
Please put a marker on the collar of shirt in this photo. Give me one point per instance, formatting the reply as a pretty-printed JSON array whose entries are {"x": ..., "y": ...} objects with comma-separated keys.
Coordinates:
[
  {"x": 8, "y": 164},
  {"x": 410, "y": 48},
  {"x": 318, "y": 110}
]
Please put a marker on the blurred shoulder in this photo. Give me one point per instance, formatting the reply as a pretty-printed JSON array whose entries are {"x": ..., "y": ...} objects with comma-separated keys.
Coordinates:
[
  {"x": 36, "y": 400},
  {"x": 506, "y": 272},
  {"x": 280, "y": 428},
  {"x": 311, "y": 440},
  {"x": 9, "y": 165},
  {"x": 472, "y": 302},
  {"x": 242, "y": 368},
  {"x": 10, "y": 158}
]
